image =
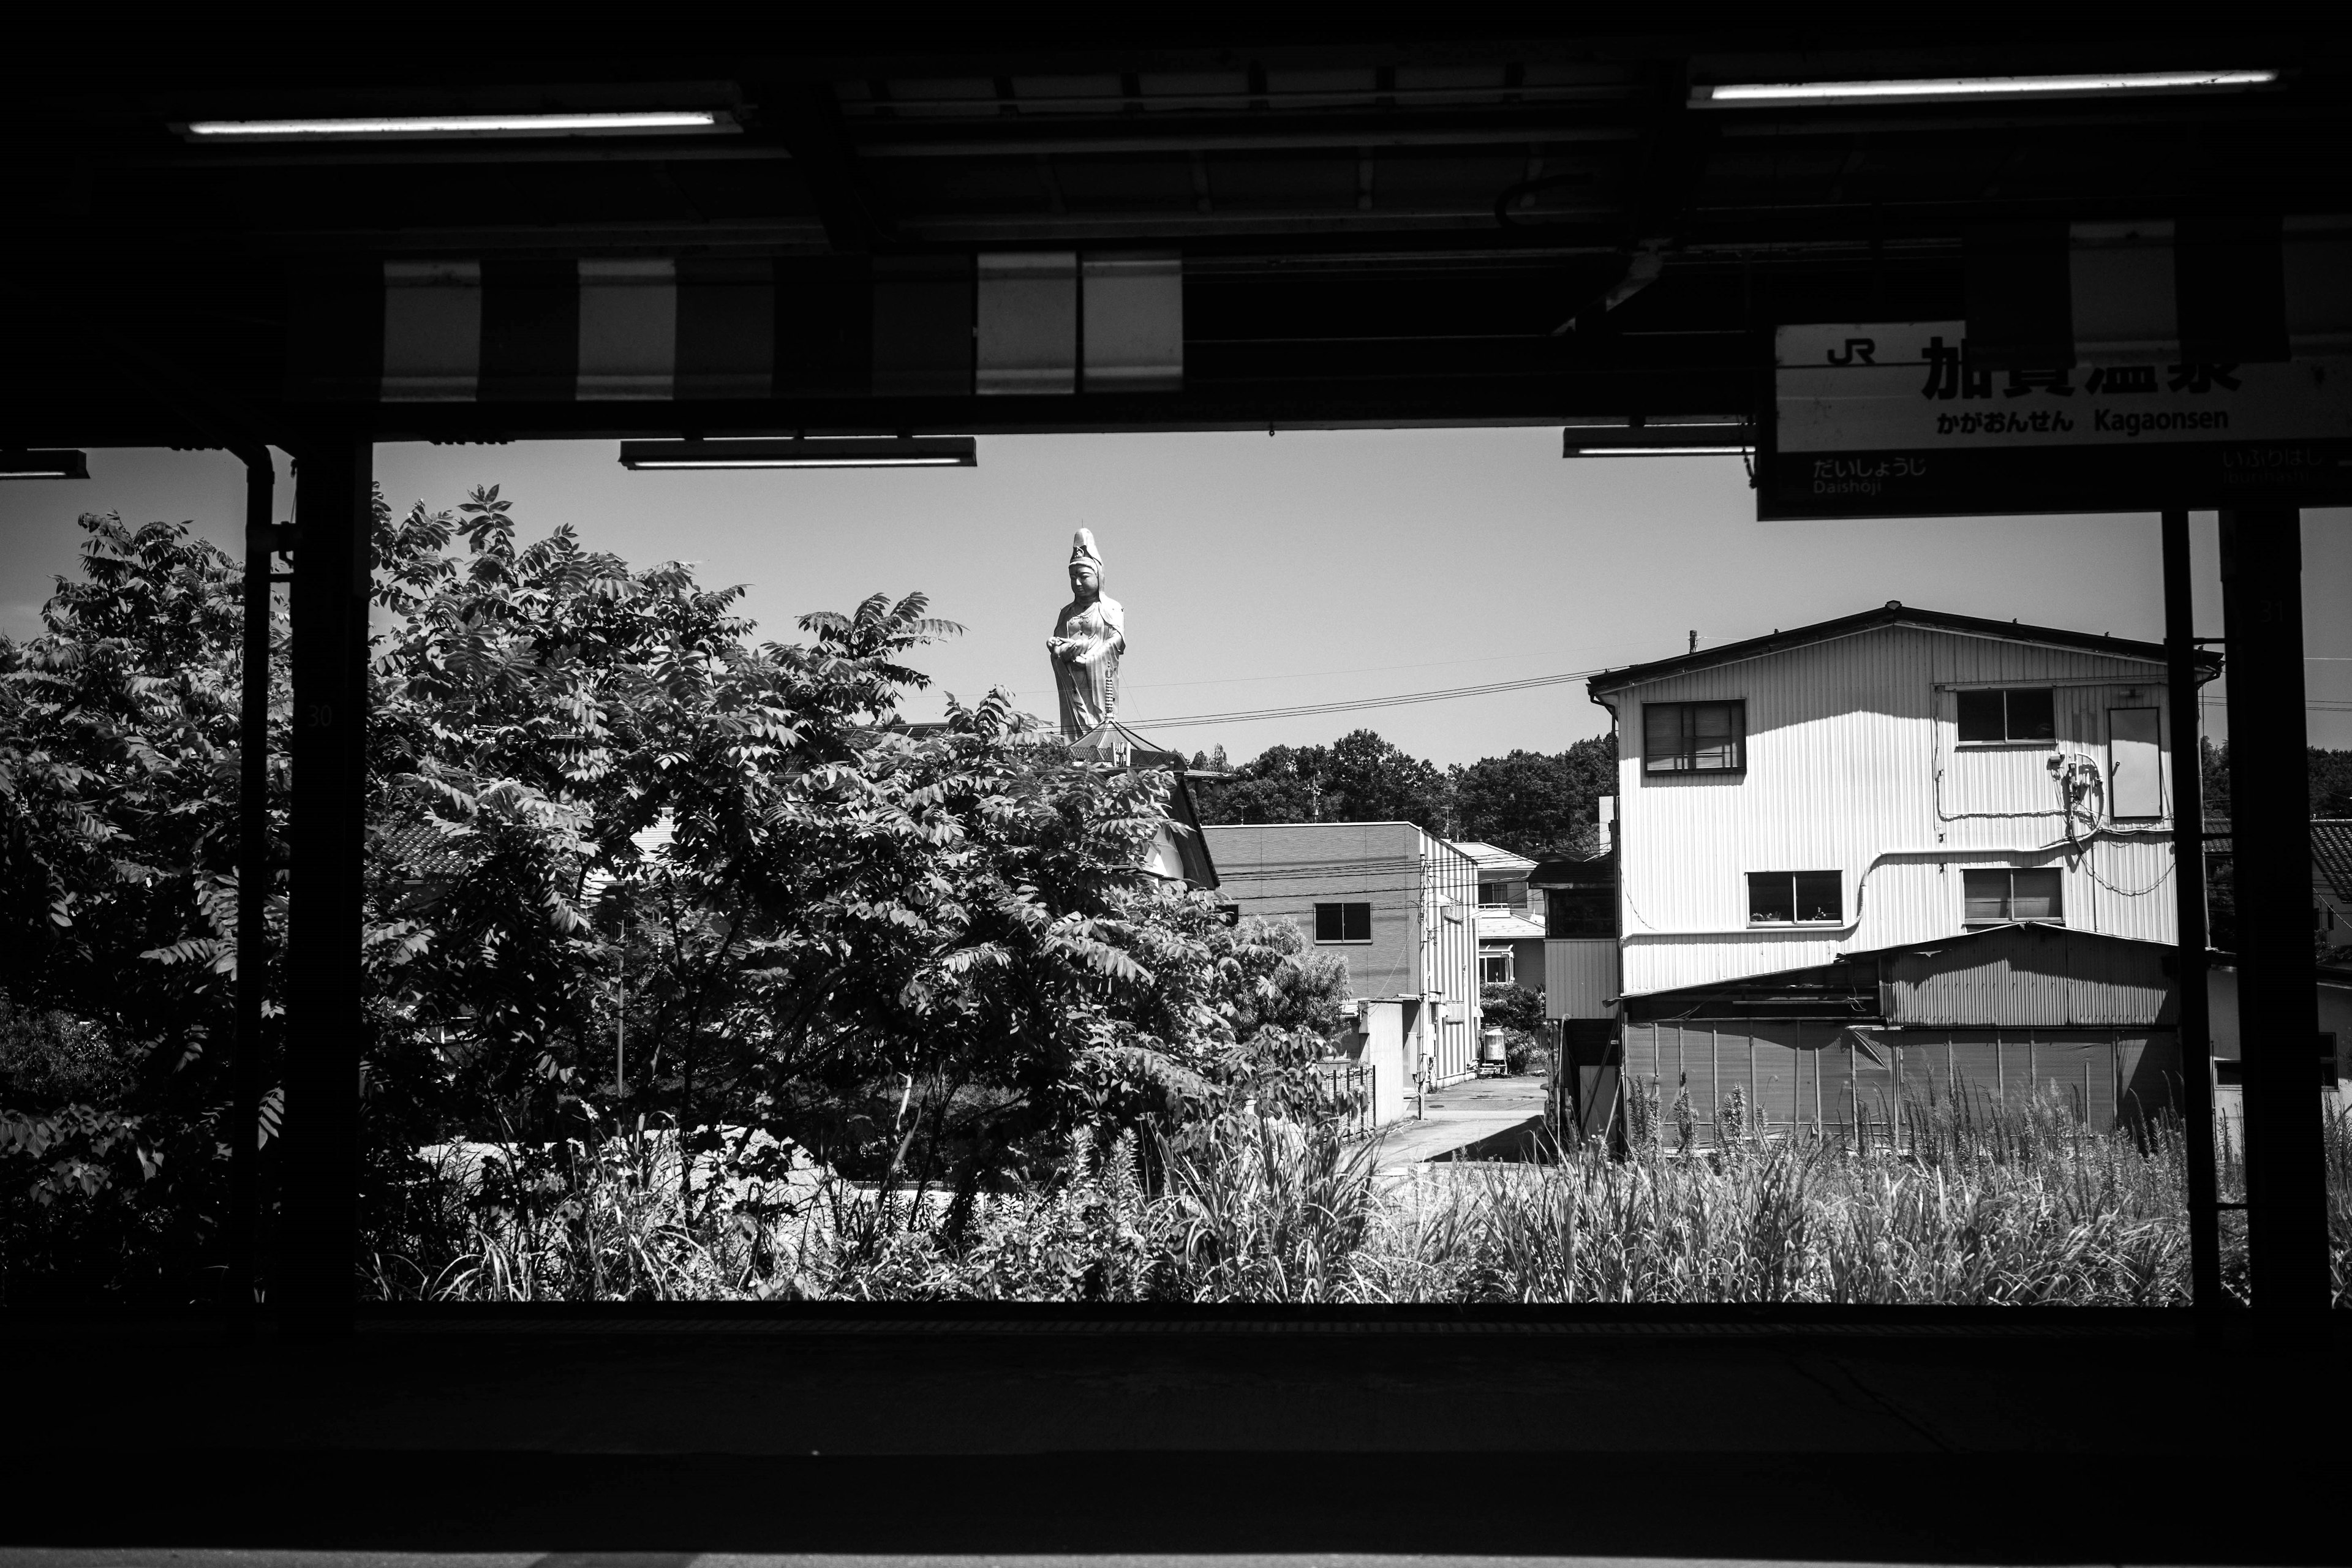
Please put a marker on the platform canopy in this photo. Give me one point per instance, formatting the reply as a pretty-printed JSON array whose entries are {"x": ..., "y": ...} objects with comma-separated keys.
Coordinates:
[{"x": 985, "y": 225}]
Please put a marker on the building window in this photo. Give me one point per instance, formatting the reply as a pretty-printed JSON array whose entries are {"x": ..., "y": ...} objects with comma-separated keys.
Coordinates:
[
  {"x": 1343, "y": 922},
  {"x": 1694, "y": 737},
  {"x": 2027, "y": 713},
  {"x": 1575, "y": 913},
  {"x": 1795, "y": 897},
  {"x": 1994, "y": 897},
  {"x": 1503, "y": 893},
  {"x": 1495, "y": 966}
]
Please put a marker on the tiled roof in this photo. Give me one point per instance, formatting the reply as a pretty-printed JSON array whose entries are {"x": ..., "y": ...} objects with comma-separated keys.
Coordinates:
[{"x": 2331, "y": 855}]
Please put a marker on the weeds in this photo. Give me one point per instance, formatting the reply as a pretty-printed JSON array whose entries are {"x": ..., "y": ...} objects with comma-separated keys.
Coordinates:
[{"x": 1948, "y": 1201}]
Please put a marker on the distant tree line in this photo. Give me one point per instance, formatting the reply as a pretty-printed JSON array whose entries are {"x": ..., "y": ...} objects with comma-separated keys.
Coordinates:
[{"x": 1530, "y": 802}]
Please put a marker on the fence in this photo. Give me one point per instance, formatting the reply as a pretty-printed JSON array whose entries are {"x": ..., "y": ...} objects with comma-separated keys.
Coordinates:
[{"x": 1343, "y": 1096}]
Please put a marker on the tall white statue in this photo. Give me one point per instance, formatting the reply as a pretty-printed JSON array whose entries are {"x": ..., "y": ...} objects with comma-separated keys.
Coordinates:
[{"x": 1088, "y": 637}]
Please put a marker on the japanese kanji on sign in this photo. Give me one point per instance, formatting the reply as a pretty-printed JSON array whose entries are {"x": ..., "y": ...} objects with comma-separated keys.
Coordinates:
[{"x": 1895, "y": 419}]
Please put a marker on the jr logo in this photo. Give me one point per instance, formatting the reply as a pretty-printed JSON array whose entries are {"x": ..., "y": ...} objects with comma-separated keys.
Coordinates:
[{"x": 1857, "y": 350}]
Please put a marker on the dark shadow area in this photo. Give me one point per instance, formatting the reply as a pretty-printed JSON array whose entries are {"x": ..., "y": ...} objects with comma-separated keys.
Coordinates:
[
  {"x": 1884, "y": 1437},
  {"x": 1831, "y": 1506},
  {"x": 1525, "y": 1141}
]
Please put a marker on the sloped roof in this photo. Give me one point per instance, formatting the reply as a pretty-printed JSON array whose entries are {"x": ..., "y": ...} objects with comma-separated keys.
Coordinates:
[
  {"x": 1894, "y": 613},
  {"x": 2331, "y": 855},
  {"x": 1575, "y": 870},
  {"x": 1494, "y": 857},
  {"x": 1500, "y": 927},
  {"x": 1112, "y": 742}
]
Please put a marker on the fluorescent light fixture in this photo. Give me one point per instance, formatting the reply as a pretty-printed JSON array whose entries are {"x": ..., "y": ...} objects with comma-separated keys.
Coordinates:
[
  {"x": 1662, "y": 436},
  {"x": 57, "y": 463},
  {"x": 1966, "y": 89},
  {"x": 439, "y": 127},
  {"x": 821, "y": 452},
  {"x": 1658, "y": 451}
]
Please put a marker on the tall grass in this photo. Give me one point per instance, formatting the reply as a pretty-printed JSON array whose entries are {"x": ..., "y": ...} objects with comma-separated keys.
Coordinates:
[{"x": 1946, "y": 1200}]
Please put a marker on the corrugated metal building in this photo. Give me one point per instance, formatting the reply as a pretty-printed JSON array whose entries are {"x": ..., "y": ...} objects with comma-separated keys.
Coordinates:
[
  {"x": 2003, "y": 1014},
  {"x": 1889, "y": 768},
  {"x": 1398, "y": 902}
]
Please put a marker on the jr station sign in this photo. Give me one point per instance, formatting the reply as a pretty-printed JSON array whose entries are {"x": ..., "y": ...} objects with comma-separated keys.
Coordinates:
[{"x": 1893, "y": 419}]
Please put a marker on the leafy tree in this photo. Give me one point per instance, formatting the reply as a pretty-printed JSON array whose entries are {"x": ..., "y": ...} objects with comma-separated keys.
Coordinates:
[
  {"x": 1530, "y": 802},
  {"x": 2331, "y": 782},
  {"x": 119, "y": 737},
  {"x": 914, "y": 953},
  {"x": 1511, "y": 1006},
  {"x": 1357, "y": 778},
  {"x": 2330, "y": 777}
]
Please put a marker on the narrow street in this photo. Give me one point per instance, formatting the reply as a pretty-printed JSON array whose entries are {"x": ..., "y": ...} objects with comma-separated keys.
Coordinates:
[{"x": 1480, "y": 1117}]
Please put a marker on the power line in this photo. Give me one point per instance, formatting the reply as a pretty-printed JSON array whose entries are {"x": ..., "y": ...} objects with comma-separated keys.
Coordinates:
[{"x": 1355, "y": 705}]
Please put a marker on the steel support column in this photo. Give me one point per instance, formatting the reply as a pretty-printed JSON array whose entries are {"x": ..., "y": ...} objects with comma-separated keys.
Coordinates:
[
  {"x": 2195, "y": 1021},
  {"x": 2270, "y": 828},
  {"x": 252, "y": 891},
  {"x": 316, "y": 1255}
]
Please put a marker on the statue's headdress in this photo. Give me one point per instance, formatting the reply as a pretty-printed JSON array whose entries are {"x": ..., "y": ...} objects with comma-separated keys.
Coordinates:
[{"x": 1082, "y": 548}]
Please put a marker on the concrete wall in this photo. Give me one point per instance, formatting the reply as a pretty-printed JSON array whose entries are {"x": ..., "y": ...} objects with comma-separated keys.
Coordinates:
[
  {"x": 1853, "y": 766},
  {"x": 1424, "y": 926},
  {"x": 1380, "y": 1044}
]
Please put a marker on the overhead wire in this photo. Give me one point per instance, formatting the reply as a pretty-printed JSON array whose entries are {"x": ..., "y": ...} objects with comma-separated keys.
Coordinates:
[{"x": 1358, "y": 704}]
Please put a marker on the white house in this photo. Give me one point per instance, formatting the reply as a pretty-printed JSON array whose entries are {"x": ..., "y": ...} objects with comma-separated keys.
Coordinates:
[
  {"x": 1510, "y": 917},
  {"x": 1900, "y": 843},
  {"x": 1884, "y": 779}
]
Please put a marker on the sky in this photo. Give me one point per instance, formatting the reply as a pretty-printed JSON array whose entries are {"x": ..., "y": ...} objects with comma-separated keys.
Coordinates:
[{"x": 1263, "y": 571}]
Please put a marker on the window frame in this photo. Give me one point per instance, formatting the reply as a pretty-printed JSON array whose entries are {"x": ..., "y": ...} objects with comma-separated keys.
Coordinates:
[
  {"x": 1343, "y": 906},
  {"x": 2007, "y": 741},
  {"x": 1597, "y": 899},
  {"x": 2010, "y": 917},
  {"x": 1506, "y": 957},
  {"x": 1737, "y": 706},
  {"x": 1795, "y": 922}
]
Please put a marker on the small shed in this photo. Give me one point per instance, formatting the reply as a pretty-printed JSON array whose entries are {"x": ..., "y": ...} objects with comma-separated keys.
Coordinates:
[{"x": 2005, "y": 1013}]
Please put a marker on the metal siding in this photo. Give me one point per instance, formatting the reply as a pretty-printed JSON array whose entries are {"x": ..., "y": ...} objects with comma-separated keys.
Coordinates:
[
  {"x": 2027, "y": 977},
  {"x": 1845, "y": 741},
  {"x": 1577, "y": 976},
  {"x": 2147, "y": 1072},
  {"x": 1453, "y": 970}
]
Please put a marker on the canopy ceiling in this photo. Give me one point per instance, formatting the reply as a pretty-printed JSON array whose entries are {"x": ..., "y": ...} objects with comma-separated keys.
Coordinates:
[{"x": 1465, "y": 223}]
